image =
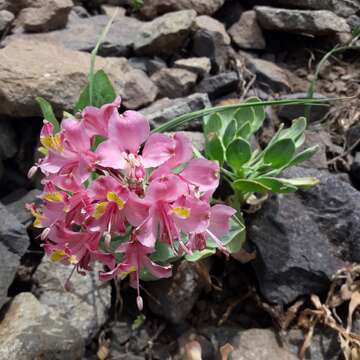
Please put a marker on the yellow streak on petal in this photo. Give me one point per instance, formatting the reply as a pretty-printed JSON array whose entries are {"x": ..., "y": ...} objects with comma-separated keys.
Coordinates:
[
  {"x": 52, "y": 142},
  {"x": 182, "y": 212},
  {"x": 73, "y": 260},
  {"x": 111, "y": 196},
  {"x": 100, "y": 209},
  {"x": 54, "y": 197},
  {"x": 38, "y": 219},
  {"x": 57, "y": 255},
  {"x": 124, "y": 274},
  {"x": 43, "y": 150}
]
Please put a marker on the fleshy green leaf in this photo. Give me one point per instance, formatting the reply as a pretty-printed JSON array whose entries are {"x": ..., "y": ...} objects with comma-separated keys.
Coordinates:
[
  {"x": 238, "y": 153},
  {"x": 163, "y": 253},
  {"x": 276, "y": 185},
  {"x": 103, "y": 92},
  {"x": 245, "y": 131},
  {"x": 304, "y": 183},
  {"x": 259, "y": 113},
  {"x": 213, "y": 125},
  {"x": 280, "y": 153},
  {"x": 48, "y": 113},
  {"x": 215, "y": 149},
  {"x": 230, "y": 133},
  {"x": 304, "y": 155},
  {"x": 295, "y": 131},
  {"x": 245, "y": 115},
  {"x": 198, "y": 255},
  {"x": 249, "y": 186}
]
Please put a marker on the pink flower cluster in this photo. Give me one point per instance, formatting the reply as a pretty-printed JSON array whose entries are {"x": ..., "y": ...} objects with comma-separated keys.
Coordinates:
[{"x": 133, "y": 186}]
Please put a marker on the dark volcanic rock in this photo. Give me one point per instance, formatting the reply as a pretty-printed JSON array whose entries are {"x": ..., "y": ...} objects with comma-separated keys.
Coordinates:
[
  {"x": 14, "y": 241},
  {"x": 218, "y": 85},
  {"x": 355, "y": 171},
  {"x": 303, "y": 238}
]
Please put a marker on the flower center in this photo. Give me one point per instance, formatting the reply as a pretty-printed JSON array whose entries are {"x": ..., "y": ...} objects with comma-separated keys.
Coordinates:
[
  {"x": 111, "y": 196},
  {"x": 182, "y": 212}
]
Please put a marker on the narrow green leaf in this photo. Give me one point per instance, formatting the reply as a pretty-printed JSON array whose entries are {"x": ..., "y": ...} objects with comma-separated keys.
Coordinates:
[
  {"x": 250, "y": 186},
  {"x": 280, "y": 153},
  {"x": 238, "y": 153},
  {"x": 104, "y": 92},
  {"x": 304, "y": 183},
  {"x": 214, "y": 149},
  {"x": 230, "y": 133},
  {"x": 304, "y": 155},
  {"x": 48, "y": 113}
]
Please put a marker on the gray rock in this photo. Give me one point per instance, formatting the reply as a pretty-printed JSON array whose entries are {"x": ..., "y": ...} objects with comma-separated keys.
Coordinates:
[
  {"x": 305, "y": 237},
  {"x": 16, "y": 201},
  {"x": 353, "y": 137},
  {"x": 269, "y": 75},
  {"x": 14, "y": 242},
  {"x": 197, "y": 138},
  {"x": 291, "y": 112},
  {"x": 6, "y": 18},
  {"x": 166, "y": 109},
  {"x": 353, "y": 21},
  {"x": 246, "y": 33},
  {"x": 259, "y": 344},
  {"x": 28, "y": 331},
  {"x": 50, "y": 15},
  {"x": 154, "y": 8},
  {"x": 176, "y": 297},
  {"x": 165, "y": 34},
  {"x": 198, "y": 65},
  {"x": 355, "y": 171},
  {"x": 8, "y": 147},
  {"x": 28, "y": 69},
  {"x": 82, "y": 34},
  {"x": 87, "y": 303},
  {"x": 342, "y": 8},
  {"x": 174, "y": 82},
  {"x": 218, "y": 85},
  {"x": 208, "y": 23},
  {"x": 317, "y": 22}
]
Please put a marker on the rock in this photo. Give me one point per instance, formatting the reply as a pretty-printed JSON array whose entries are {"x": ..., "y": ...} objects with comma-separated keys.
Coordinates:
[
  {"x": 176, "y": 297},
  {"x": 8, "y": 146},
  {"x": 28, "y": 69},
  {"x": 305, "y": 237},
  {"x": 212, "y": 41},
  {"x": 269, "y": 75},
  {"x": 230, "y": 13},
  {"x": 166, "y": 109},
  {"x": 355, "y": 171},
  {"x": 259, "y": 344},
  {"x": 28, "y": 331},
  {"x": 317, "y": 22},
  {"x": 291, "y": 112},
  {"x": 218, "y": 85},
  {"x": 87, "y": 303},
  {"x": 353, "y": 137},
  {"x": 324, "y": 344},
  {"x": 207, "y": 23},
  {"x": 197, "y": 139},
  {"x": 199, "y": 65},
  {"x": 82, "y": 34},
  {"x": 50, "y": 15},
  {"x": 152, "y": 9},
  {"x": 6, "y": 18},
  {"x": 353, "y": 21},
  {"x": 246, "y": 33},
  {"x": 165, "y": 34},
  {"x": 14, "y": 242},
  {"x": 16, "y": 201},
  {"x": 342, "y": 8},
  {"x": 174, "y": 82}
]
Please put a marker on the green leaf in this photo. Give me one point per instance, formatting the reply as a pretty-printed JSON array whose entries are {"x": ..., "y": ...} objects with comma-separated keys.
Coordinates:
[
  {"x": 304, "y": 155},
  {"x": 48, "y": 113},
  {"x": 304, "y": 182},
  {"x": 198, "y": 255},
  {"x": 276, "y": 185},
  {"x": 230, "y": 133},
  {"x": 245, "y": 131},
  {"x": 245, "y": 115},
  {"x": 213, "y": 125},
  {"x": 103, "y": 92},
  {"x": 250, "y": 186},
  {"x": 215, "y": 150},
  {"x": 280, "y": 153},
  {"x": 163, "y": 253},
  {"x": 295, "y": 131},
  {"x": 238, "y": 153},
  {"x": 259, "y": 113}
]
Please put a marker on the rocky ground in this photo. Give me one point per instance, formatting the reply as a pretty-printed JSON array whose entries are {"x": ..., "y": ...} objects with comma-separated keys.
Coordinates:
[{"x": 166, "y": 58}]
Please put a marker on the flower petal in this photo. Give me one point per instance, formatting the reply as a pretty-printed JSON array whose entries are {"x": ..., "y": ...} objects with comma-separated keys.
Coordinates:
[
  {"x": 110, "y": 155},
  {"x": 219, "y": 219},
  {"x": 158, "y": 149}
]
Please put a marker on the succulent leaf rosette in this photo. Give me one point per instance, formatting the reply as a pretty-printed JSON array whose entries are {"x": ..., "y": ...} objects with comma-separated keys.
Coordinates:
[{"x": 114, "y": 193}]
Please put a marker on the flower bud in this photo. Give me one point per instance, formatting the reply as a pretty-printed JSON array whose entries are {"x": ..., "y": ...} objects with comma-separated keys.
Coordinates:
[
  {"x": 32, "y": 171},
  {"x": 45, "y": 234},
  {"x": 140, "y": 303}
]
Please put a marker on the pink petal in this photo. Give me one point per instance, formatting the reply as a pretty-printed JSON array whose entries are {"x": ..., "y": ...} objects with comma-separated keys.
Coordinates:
[
  {"x": 199, "y": 215},
  {"x": 75, "y": 135},
  {"x": 158, "y": 149},
  {"x": 202, "y": 173},
  {"x": 136, "y": 210},
  {"x": 146, "y": 233},
  {"x": 110, "y": 155},
  {"x": 101, "y": 186},
  {"x": 129, "y": 130},
  {"x": 219, "y": 219},
  {"x": 167, "y": 188},
  {"x": 156, "y": 270}
]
